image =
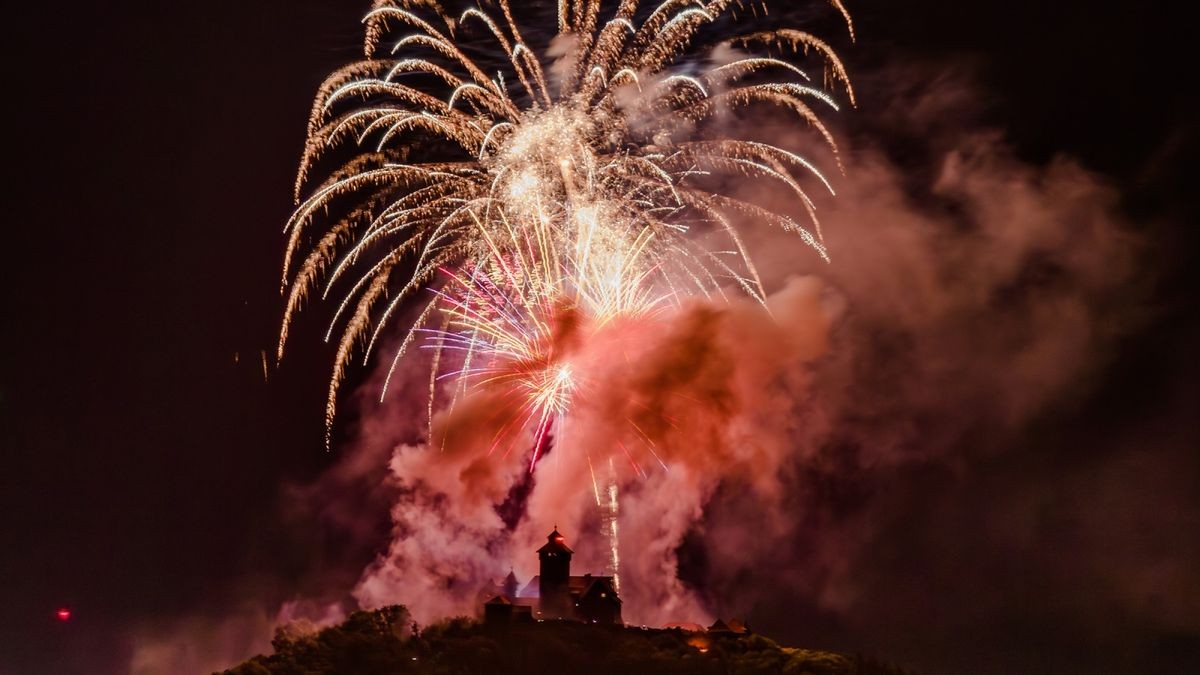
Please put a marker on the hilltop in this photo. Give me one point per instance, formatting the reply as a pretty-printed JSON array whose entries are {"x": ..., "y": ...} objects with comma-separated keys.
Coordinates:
[{"x": 385, "y": 641}]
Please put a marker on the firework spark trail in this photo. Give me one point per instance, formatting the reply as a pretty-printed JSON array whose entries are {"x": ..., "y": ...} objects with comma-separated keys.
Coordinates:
[{"x": 546, "y": 203}]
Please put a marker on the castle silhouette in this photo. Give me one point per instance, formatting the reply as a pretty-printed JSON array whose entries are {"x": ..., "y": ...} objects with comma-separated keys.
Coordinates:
[{"x": 554, "y": 593}]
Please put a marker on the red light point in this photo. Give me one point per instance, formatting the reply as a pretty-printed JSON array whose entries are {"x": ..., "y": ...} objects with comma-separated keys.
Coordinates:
[{"x": 63, "y": 614}]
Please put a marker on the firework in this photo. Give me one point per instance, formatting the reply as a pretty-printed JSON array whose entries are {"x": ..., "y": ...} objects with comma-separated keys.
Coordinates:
[{"x": 542, "y": 195}]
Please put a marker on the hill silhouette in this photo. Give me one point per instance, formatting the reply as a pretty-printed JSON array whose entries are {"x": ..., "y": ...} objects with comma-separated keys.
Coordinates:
[{"x": 386, "y": 641}]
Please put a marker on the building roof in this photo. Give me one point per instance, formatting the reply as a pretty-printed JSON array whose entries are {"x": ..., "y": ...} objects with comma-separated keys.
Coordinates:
[
  {"x": 555, "y": 542},
  {"x": 532, "y": 589},
  {"x": 733, "y": 626},
  {"x": 586, "y": 584},
  {"x": 515, "y": 602}
]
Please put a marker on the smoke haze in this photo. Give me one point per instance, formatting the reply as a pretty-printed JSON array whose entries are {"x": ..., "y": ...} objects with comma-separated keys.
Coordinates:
[
  {"x": 832, "y": 448},
  {"x": 969, "y": 447},
  {"x": 828, "y": 447}
]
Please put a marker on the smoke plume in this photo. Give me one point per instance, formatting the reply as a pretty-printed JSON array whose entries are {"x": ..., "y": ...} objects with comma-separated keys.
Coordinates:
[
  {"x": 954, "y": 313},
  {"x": 808, "y": 460}
]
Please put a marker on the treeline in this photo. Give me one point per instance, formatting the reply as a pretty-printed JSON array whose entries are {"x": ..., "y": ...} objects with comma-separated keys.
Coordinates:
[{"x": 386, "y": 641}]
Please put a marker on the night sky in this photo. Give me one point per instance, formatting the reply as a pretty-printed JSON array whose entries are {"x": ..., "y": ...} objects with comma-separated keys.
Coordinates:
[{"x": 151, "y": 153}]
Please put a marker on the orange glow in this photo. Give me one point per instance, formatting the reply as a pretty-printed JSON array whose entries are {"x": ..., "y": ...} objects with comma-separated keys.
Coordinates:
[{"x": 699, "y": 641}]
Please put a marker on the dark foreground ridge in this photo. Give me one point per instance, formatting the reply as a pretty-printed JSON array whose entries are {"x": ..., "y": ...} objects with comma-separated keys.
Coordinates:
[{"x": 384, "y": 641}]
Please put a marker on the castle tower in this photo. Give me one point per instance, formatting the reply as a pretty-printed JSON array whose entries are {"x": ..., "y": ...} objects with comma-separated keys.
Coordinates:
[{"x": 554, "y": 580}]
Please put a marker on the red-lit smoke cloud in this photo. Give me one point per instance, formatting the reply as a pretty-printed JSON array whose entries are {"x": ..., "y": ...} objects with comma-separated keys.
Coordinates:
[
  {"x": 713, "y": 387},
  {"x": 962, "y": 307},
  {"x": 963, "y": 301}
]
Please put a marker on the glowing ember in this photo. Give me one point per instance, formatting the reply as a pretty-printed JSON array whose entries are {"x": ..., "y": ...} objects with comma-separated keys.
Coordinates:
[{"x": 63, "y": 614}]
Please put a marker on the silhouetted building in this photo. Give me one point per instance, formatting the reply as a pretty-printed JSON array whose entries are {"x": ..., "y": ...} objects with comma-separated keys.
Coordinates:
[
  {"x": 554, "y": 593},
  {"x": 596, "y": 600},
  {"x": 500, "y": 609},
  {"x": 554, "y": 578}
]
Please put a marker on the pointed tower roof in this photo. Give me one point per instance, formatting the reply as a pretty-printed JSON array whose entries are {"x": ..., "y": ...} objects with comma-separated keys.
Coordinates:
[
  {"x": 555, "y": 542},
  {"x": 510, "y": 585}
]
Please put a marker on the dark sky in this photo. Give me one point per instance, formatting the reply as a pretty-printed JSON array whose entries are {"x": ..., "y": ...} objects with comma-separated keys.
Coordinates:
[{"x": 151, "y": 155}]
